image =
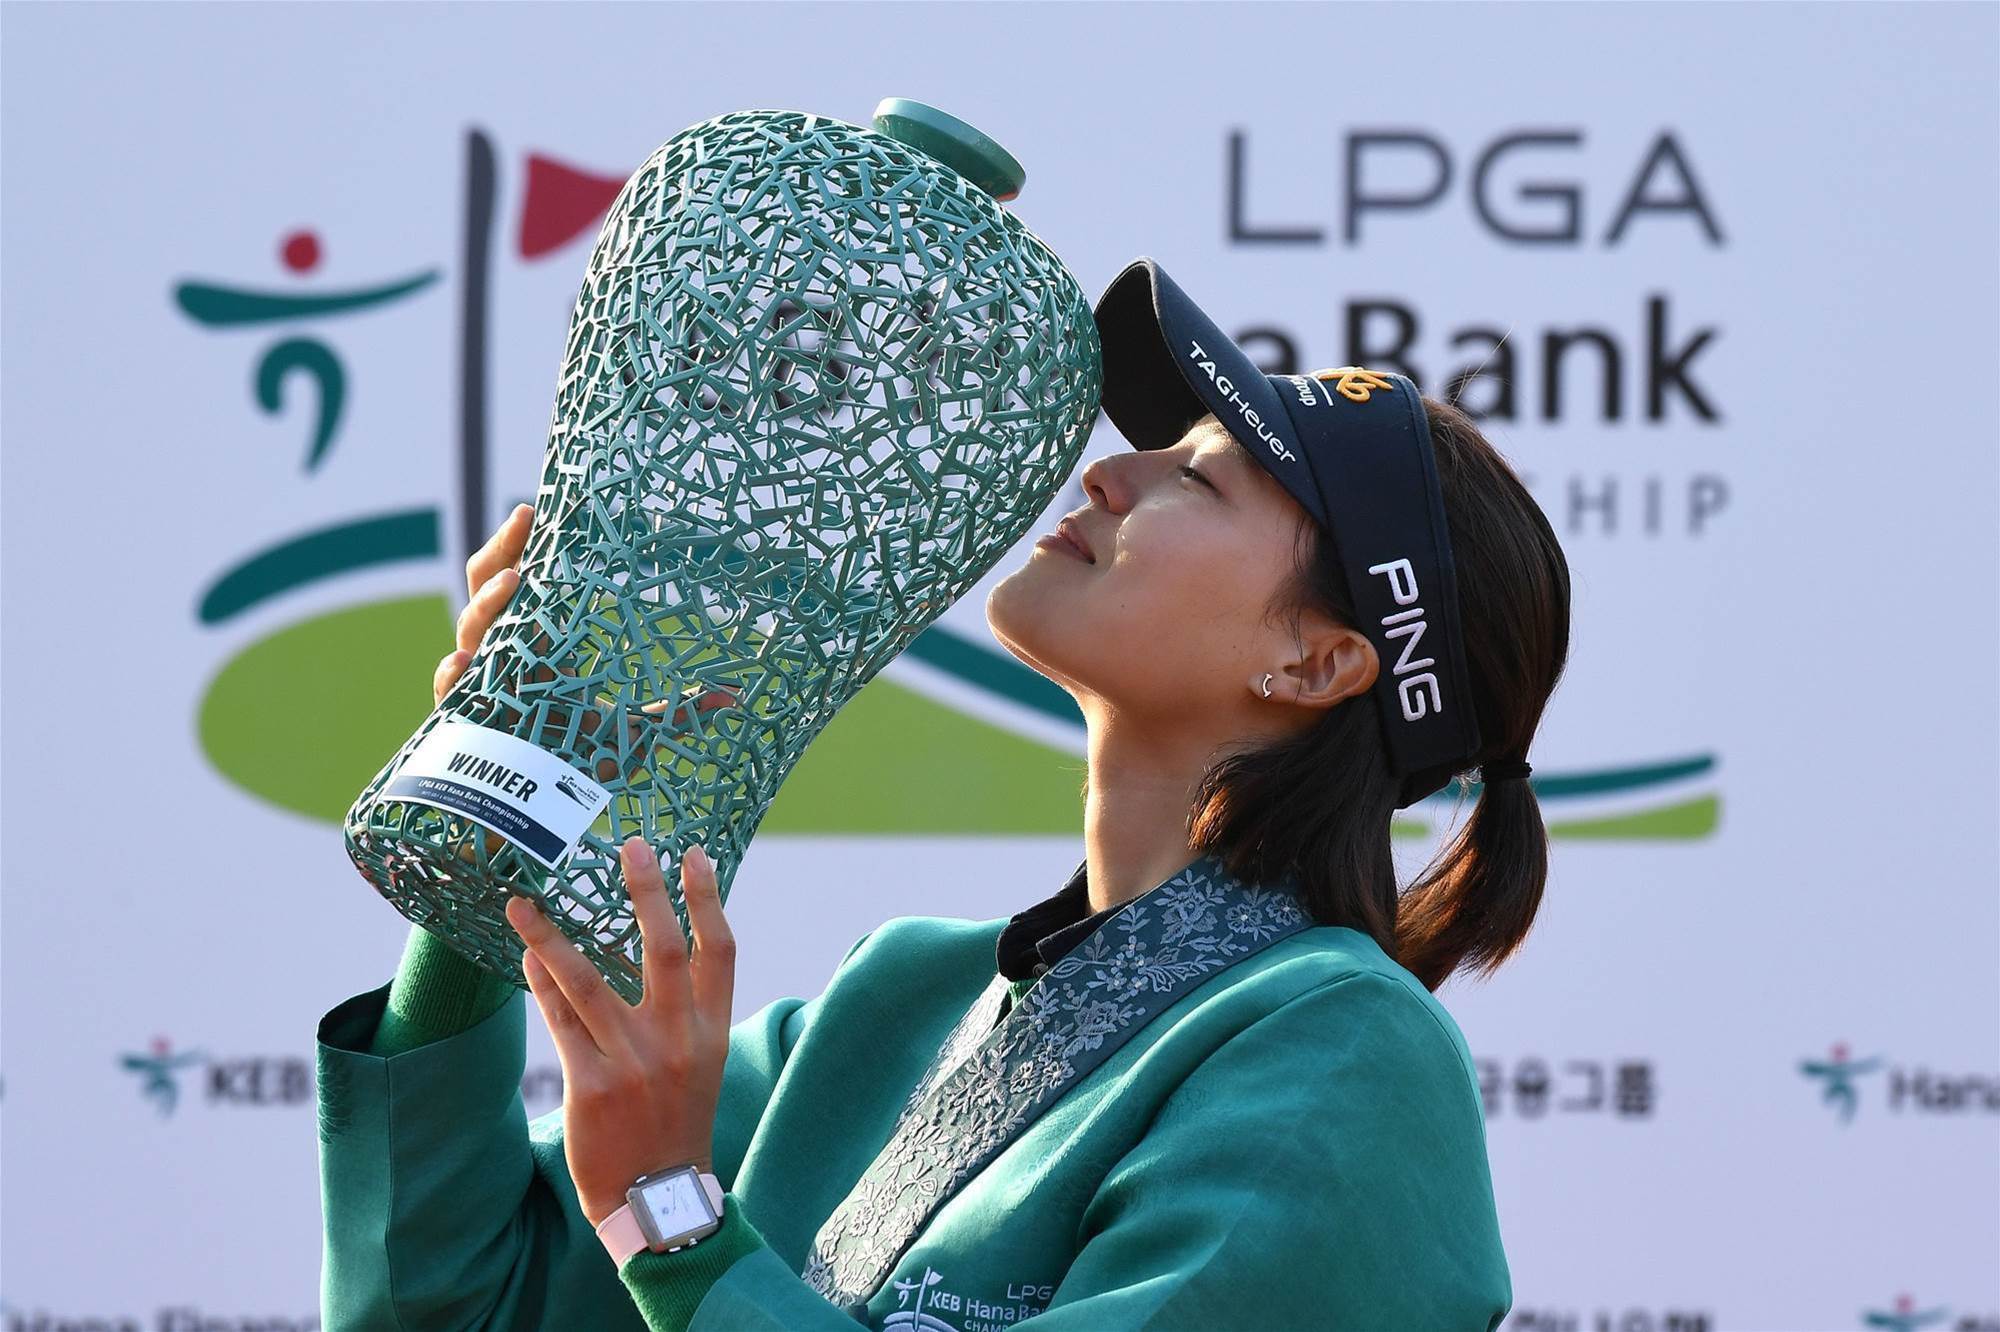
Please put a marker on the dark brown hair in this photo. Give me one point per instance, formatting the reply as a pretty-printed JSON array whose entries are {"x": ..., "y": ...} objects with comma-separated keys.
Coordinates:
[{"x": 1316, "y": 806}]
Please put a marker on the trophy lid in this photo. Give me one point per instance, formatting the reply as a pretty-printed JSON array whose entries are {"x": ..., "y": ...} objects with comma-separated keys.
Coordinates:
[{"x": 958, "y": 145}]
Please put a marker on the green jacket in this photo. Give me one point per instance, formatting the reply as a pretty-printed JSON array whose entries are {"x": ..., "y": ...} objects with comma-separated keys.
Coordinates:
[{"x": 1212, "y": 1114}]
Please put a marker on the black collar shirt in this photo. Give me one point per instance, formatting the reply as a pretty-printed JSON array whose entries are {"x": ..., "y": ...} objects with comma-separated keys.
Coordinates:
[{"x": 1033, "y": 940}]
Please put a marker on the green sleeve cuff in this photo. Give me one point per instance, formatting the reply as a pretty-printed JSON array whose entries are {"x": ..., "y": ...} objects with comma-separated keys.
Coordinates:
[
  {"x": 669, "y": 1287},
  {"x": 438, "y": 992}
]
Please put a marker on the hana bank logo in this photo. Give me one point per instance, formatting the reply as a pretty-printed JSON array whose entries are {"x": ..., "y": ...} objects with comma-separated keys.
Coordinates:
[
  {"x": 159, "y": 1072},
  {"x": 1906, "y": 1317},
  {"x": 1908, "y": 1089},
  {"x": 1837, "y": 1073},
  {"x": 347, "y": 686}
]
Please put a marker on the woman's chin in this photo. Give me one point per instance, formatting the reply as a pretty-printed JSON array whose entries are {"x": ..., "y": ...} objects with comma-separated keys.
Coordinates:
[{"x": 1022, "y": 619}]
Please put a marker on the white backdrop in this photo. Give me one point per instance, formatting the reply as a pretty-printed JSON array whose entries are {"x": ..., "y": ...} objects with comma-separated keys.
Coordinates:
[{"x": 1780, "y": 220}]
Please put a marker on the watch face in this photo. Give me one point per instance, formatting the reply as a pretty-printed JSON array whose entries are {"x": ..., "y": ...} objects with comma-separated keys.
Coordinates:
[{"x": 677, "y": 1205}]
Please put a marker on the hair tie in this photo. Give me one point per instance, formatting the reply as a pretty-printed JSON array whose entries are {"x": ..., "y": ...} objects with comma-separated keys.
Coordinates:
[{"x": 1499, "y": 770}]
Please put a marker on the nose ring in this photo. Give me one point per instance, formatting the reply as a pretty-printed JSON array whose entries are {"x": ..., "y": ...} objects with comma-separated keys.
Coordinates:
[{"x": 1267, "y": 684}]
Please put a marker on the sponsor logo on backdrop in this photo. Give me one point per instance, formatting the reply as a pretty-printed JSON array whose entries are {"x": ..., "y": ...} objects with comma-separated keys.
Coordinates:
[
  {"x": 1904, "y": 1315},
  {"x": 1643, "y": 369},
  {"x": 159, "y": 1071},
  {"x": 167, "y": 1318},
  {"x": 1836, "y": 1074},
  {"x": 171, "y": 1080},
  {"x": 1902, "y": 1088},
  {"x": 1533, "y": 1087},
  {"x": 1639, "y": 1319},
  {"x": 1907, "y": 1315},
  {"x": 359, "y": 662}
]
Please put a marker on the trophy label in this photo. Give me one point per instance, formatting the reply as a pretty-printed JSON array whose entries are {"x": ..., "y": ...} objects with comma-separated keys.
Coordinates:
[{"x": 521, "y": 791}]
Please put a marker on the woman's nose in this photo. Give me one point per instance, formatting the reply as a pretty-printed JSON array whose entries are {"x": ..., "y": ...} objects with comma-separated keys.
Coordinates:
[{"x": 1104, "y": 482}]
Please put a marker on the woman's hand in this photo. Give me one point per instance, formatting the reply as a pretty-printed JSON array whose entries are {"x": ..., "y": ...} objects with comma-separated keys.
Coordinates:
[
  {"x": 640, "y": 1082},
  {"x": 492, "y": 576}
]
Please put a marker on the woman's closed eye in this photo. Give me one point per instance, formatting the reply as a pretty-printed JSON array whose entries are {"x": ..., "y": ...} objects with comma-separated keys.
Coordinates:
[{"x": 1189, "y": 471}]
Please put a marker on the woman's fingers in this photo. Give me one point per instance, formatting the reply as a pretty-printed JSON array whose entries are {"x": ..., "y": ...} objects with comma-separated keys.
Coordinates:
[
  {"x": 487, "y": 593},
  {"x": 566, "y": 1029},
  {"x": 590, "y": 998},
  {"x": 449, "y": 668},
  {"x": 714, "y": 946},
  {"x": 485, "y": 607},
  {"x": 501, "y": 550},
  {"x": 664, "y": 943}
]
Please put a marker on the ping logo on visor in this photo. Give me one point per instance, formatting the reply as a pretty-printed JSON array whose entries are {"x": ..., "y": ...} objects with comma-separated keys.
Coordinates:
[{"x": 1419, "y": 693}]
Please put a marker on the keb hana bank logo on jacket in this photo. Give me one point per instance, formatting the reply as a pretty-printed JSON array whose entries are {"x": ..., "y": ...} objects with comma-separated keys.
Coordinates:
[
  {"x": 925, "y": 1304},
  {"x": 300, "y": 613}
]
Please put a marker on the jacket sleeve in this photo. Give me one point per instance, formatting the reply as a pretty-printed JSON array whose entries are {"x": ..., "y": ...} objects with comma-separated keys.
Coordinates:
[
  {"x": 437, "y": 992},
  {"x": 1325, "y": 1168},
  {"x": 444, "y": 1207}
]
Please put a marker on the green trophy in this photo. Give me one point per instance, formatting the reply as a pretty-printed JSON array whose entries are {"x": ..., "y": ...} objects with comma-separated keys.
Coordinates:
[{"x": 817, "y": 382}]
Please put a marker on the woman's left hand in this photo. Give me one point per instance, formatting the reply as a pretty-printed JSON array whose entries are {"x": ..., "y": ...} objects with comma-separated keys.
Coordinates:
[{"x": 640, "y": 1082}]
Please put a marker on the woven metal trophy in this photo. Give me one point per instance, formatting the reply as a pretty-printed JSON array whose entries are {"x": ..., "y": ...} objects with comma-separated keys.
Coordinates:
[{"x": 817, "y": 382}]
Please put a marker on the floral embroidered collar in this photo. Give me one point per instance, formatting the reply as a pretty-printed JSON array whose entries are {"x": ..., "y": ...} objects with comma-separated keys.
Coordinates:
[{"x": 991, "y": 1079}]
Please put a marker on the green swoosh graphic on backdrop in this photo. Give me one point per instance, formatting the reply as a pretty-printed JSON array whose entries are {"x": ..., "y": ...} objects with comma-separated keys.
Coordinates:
[{"x": 305, "y": 716}]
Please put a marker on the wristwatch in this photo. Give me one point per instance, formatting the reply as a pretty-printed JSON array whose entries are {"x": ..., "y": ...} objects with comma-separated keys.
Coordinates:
[{"x": 664, "y": 1210}]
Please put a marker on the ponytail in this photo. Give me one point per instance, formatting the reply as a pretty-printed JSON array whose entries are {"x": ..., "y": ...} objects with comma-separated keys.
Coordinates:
[{"x": 1473, "y": 905}]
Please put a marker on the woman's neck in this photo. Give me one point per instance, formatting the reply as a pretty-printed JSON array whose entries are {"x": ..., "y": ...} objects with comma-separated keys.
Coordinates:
[{"x": 1142, "y": 781}]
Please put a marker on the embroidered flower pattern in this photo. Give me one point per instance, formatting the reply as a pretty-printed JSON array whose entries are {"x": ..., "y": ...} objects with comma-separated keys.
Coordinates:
[
  {"x": 1189, "y": 908},
  {"x": 971, "y": 1029},
  {"x": 1095, "y": 1019},
  {"x": 1038, "y": 1069},
  {"x": 1252, "y": 914},
  {"x": 989, "y": 1081},
  {"x": 1117, "y": 975}
]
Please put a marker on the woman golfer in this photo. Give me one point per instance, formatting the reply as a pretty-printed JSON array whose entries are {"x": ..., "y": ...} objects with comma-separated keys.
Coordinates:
[{"x": 1204, "y": 1084}]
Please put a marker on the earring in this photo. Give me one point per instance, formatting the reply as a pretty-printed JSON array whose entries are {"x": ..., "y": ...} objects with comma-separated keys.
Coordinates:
[{"x": 1267, "y": 684}]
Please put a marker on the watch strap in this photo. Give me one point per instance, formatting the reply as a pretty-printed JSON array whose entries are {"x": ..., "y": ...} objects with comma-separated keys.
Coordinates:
[{"x": 622, "y": 1236}]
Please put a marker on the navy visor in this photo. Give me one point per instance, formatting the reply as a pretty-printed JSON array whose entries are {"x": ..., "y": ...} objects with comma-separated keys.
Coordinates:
[{"x": 1352, "y": 446}]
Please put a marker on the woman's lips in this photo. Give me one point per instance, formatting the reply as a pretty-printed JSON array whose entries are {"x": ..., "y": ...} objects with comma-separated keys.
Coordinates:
[
  {"x": 1057, "y": 542},
  {"x": 1067, "y": 530}
]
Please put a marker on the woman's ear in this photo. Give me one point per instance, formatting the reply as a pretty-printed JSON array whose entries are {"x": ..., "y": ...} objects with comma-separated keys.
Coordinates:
[{"x": 1331, "y": 662}]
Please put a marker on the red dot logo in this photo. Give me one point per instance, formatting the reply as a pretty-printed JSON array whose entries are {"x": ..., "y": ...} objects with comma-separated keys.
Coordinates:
[{"x": 301, "y": 251}]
